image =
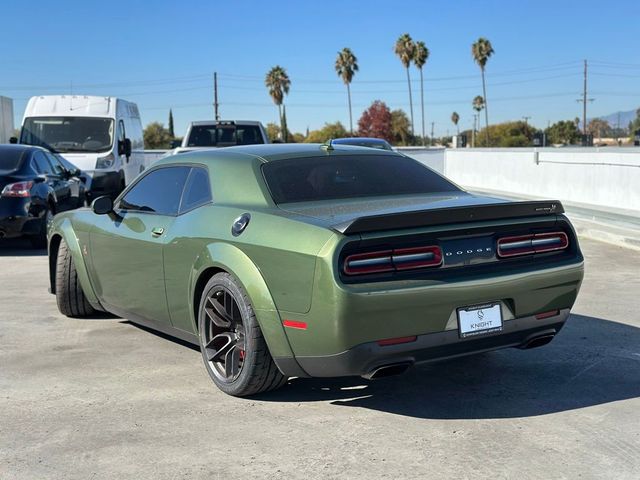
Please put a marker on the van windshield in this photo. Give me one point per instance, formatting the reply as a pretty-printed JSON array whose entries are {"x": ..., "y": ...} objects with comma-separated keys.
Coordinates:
[{"x": 69, "y": 134}]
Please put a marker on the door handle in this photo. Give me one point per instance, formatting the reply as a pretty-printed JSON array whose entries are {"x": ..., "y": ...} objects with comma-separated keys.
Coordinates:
[{"x": 157, "y": 231}]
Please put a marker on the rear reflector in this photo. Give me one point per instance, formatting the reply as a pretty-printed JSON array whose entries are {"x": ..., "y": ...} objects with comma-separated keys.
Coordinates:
[
  {"x": 532, "y": 243},
  {"x": 295, "y": 324},
  {"x": 393, "y": 260},
  {"x": 396, "y": 341},
  {"x": 549, "y": 314}
]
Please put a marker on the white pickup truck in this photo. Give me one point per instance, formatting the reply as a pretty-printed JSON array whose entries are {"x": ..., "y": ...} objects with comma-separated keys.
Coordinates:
[{"x": 216, "y": 134}]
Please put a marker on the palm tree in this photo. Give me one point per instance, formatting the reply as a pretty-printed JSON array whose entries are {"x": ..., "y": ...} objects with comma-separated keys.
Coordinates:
[
  {"x": 346, "y": 67},
  {"x": 278, "y": 83},
  {"x": 481, "y": 51},
  {"x": 478, "y": 105},
  {"x": 420, "y": 57},
  {"x": 405, "y": 50},
  {"x": 455, "y": 118}
]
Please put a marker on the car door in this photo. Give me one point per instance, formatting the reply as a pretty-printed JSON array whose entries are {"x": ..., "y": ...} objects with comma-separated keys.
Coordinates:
[
  {"x": 54, "y": 178},
  {"x": 71, "y": 185},
  {"x": 180, "y": 252},
  {"x": 127, "y": 246}
]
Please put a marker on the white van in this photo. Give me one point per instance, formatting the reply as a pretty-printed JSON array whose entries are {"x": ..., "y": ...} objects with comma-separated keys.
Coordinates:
[{"x": 100, "y": 135}]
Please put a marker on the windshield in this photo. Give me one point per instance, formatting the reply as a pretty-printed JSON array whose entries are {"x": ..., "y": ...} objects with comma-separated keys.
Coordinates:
[
  {"x": 224, "y": 135},
  {"x": 10, "y": 158},
  {"x": 350, "y": 176},
  {"x": 69, "y": 134}
]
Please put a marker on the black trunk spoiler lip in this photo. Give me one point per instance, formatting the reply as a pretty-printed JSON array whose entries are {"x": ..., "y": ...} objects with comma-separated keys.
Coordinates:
[{"x": 449, "y": 215}]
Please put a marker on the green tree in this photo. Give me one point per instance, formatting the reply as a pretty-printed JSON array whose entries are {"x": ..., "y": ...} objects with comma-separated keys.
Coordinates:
[
  {"x": 171, "y": 131},
  {"x": 400, "y": 127},
  {"x": 405, "y": 50},
  {"x": 481, "y": 50},
  {"x": 328, "y": 131},
  {"x": 455, "y": 118},
  {"x": 420, "y": 57},
  {"x": 278, "y": 83},
  {"x": 509, "y": 134},
  {"x": 346, "y": 66},
  {"x": 563, "y": 132},
  {"x": 156, "y": 136}
]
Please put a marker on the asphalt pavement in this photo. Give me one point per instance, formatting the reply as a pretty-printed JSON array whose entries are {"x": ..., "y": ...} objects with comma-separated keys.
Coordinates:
[{"x": 101, "y": 398}]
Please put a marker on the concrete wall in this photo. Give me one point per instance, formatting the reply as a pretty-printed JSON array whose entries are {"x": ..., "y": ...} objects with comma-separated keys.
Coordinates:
[
  {"x": 6, "y": 119},
  {"x": 603, "y": 177}
]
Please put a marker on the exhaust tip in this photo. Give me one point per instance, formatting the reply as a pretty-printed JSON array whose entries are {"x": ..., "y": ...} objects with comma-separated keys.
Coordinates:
[
  {"x": 538, "y": 341},
  {"x": 387, "y": 370}
]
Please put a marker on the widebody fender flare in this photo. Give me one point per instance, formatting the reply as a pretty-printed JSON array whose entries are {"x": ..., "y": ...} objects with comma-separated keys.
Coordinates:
[
  {"x": 234, "y": 261},
  {"x": 64, "y": 229}
]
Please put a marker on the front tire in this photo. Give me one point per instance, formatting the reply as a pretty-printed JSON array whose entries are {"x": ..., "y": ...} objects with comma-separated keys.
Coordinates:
[
  {"x": 69, "y": 295},
  {"x": 234, "y": 351}
]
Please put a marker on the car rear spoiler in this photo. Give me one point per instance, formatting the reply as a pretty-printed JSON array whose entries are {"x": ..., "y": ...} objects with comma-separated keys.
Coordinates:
[{"x": 444, "y": 216}]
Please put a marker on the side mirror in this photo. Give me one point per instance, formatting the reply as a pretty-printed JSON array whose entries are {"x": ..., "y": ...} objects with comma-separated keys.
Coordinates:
[
  {"x": 175, "y": 144},
  {"x": 124, "y": 147},
  {"x": 13, "y": 140},
  {"x": 102, "y": 205}
]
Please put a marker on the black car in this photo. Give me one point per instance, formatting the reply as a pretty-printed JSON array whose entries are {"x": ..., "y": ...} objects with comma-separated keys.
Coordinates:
[{"x": 35, "y": 184}]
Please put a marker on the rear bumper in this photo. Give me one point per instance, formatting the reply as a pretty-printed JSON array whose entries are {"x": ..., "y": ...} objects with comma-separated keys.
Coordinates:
[
  {"x": 366, "y": 358},
  {"x": 19, "y": 217}
]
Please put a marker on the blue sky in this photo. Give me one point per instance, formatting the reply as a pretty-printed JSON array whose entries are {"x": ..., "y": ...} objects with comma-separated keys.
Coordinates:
[{"x": 163, "y": 56}]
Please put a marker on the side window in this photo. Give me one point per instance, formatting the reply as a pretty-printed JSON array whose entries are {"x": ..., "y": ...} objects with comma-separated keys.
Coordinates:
[
  {"x": 197, "y": 191},
  {"x": 158, "y": 192},
  {"x": 58, "y": 168},
  {"x": 41, "y": 164}
]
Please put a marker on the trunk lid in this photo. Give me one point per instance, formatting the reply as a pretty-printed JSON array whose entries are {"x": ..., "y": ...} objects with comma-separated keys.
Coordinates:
[{"x": 358, "y": 216}]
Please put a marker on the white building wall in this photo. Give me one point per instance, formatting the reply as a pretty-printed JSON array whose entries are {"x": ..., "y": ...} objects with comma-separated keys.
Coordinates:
[{"x": 603, "y": 177}]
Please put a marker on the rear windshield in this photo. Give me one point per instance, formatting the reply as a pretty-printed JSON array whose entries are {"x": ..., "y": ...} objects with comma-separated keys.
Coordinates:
[
  {"x": 10, "y": 159},
  {"x": 224, "y": 135},
  {"x": 350, "y": 176}
]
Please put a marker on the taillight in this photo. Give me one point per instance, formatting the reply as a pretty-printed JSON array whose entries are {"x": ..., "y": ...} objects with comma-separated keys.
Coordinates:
[
  {"x": 393, "y": 260},
  {"x": 532, "y": 243},
  {"x": 19, "y": 189}
]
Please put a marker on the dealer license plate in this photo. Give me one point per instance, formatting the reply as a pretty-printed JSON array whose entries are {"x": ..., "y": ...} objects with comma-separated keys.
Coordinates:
[{"x": 479, "y": 319}]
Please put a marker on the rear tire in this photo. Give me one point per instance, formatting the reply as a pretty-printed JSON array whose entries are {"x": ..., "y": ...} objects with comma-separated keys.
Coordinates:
[
  {"x": 40, "y": 240},
  {"x": 69, "y": 295},
  {"x": 234, "y": 351}
]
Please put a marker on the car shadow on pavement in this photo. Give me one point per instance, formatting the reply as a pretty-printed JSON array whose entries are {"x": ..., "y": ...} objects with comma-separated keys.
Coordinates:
[
  {"x": 19, "y": 247},
  {"x": 592, "y": 362}
]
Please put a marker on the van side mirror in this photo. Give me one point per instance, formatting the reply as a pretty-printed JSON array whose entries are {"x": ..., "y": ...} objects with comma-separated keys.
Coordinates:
[
  {"x": 176, "y": 144},
  {"x": 102, "y": 205},
  {"x": 13, "y": 140},
  {"x": 124, "y": 147}
]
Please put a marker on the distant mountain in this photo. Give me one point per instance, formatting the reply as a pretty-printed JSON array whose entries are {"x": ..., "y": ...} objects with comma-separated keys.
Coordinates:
[{"x": 625, "y": 118}]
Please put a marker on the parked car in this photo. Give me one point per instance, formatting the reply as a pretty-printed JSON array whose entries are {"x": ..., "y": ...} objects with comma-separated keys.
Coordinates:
[
  {"x": 35, "y": 185},
  {"x": 317, "y": 260},
  {"x": 217, "y": 134},
  {"x": 363, "y": 142},
  {"x": 101, "y": 135}
]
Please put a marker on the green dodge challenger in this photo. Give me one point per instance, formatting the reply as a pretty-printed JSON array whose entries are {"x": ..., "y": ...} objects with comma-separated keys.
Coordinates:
[{"x": 317, "y": 261}]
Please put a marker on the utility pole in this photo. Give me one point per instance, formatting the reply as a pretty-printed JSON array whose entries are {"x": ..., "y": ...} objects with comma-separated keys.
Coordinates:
[
  {"x": 432, "y": 123},
  {"x": 526, "y": 121},
  {"x": 216, "y": 116},
  {"x": 584, "y": 101}
]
